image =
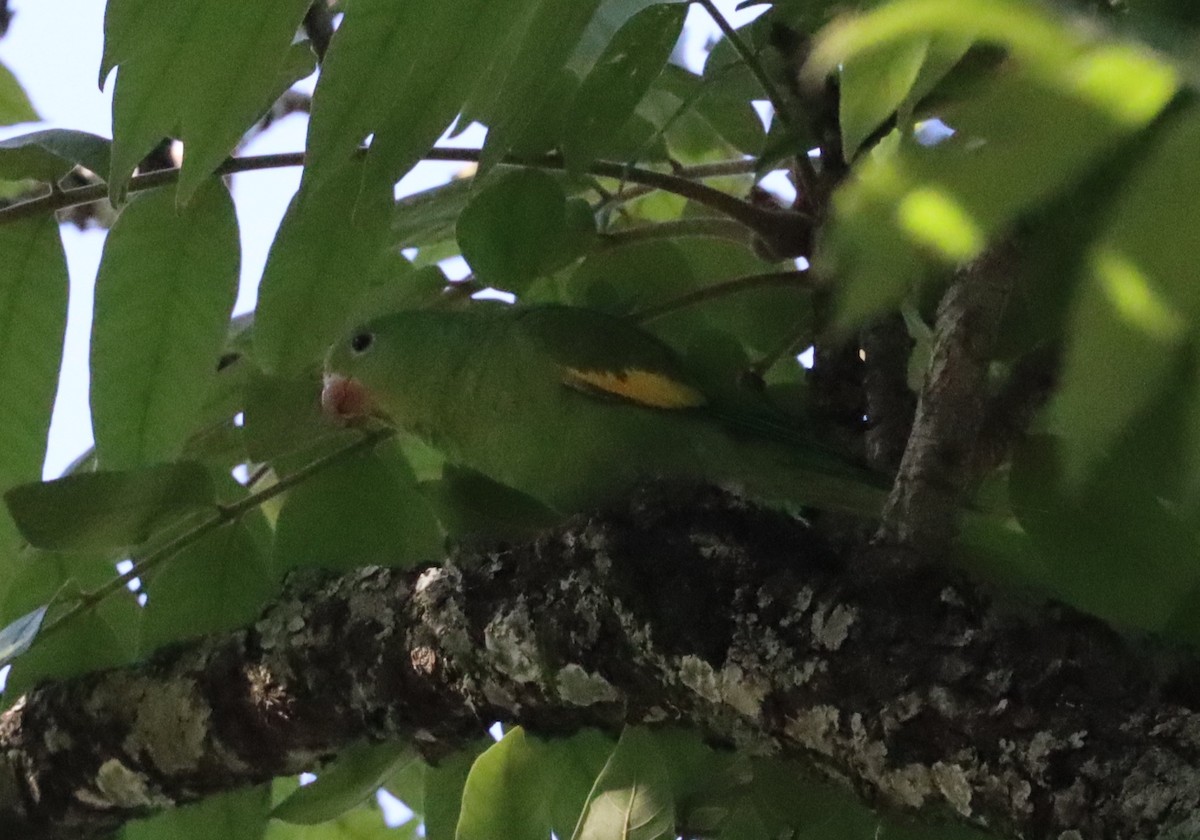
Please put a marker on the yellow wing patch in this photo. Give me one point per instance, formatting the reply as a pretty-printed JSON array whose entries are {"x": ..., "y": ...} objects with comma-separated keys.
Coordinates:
[{"x": 644, "y": 387}]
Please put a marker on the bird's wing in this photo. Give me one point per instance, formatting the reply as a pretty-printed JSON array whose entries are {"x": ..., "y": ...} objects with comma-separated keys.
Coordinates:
[{"x": 605, "y": 356}]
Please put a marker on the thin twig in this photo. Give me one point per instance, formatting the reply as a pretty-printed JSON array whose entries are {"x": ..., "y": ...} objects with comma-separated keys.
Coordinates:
[
  {"x": 771, "y": 279},
  {"x": 223, "y": 515},
  {"x": 52, "y": 202},
  {"x": 783, "y": 105},
  {"x": 741, "y": 166},
  {"x": 747, "y": 55},
  {"x": 713, "y": 227},
  {"x": 783, "y": 231},
  {"x": 257, "y": 476}
]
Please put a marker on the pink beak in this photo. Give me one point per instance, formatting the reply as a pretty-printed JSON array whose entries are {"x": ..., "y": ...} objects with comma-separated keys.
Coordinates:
[{"x": 343, "y": 398}]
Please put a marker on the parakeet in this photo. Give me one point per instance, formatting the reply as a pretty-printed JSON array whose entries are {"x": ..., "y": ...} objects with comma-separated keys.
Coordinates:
[{"x": 572, "y": 407}]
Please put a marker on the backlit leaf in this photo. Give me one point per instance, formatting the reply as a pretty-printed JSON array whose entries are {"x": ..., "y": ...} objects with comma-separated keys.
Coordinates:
[
  {"x": 351, "y": 778},
  {"x": 16, "y": 638},
  {"x": 507, "y": 786},
  {"x": 519, "y": 226},
  {"x": 218, "y": 583},
  {"x": 631, "y": 799},
  {"x": 364, "y": 510},
  {"x": 198, "y": 70},
  {"x": 105, "y": 509},
  {"x": 428, "y": 57},
  {"x": 166, "y": 286},
  {"x": 323, "y": 258},
  {"x": 49, "y": 155},
  {"x": 33, "y": 318},
  {"x": 622, "y": 75},
  {"x": 15, "y": 106}
]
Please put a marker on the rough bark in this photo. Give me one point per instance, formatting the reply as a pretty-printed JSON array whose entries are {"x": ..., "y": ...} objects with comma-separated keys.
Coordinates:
[
  {"x": 688, "y": 606},
  {"x": 923, "y": 508}
]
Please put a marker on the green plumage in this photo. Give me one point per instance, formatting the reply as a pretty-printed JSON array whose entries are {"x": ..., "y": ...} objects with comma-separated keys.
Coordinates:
[{"x": 573, "y": 407}]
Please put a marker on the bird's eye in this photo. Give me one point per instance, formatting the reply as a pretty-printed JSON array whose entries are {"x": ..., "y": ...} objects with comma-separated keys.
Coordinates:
[{"x": 361, "y": 342}]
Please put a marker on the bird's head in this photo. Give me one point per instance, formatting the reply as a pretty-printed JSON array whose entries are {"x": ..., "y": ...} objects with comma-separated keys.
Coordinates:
[{"x": 350, "y": 370}]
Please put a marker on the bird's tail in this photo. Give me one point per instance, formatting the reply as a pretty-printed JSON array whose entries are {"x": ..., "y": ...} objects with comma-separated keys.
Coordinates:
[{"x": 815, "y": 479}]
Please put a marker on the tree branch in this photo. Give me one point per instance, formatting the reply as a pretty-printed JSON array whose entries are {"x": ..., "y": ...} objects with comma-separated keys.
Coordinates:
[
  {"x": 914, "y": 688},
  {"x": 923, "y": 508}
]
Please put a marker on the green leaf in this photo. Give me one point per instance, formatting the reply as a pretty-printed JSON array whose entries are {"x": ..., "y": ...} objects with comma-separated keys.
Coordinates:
[
  {"x": 943, "y": 56},
  {"x": 878, "y": 81},
  {"x": 198, "y": 70},
  {"x": 1113, "y": 547},
  {"x": 761, "y": 318},
  {"x": 407, "y": 784},
  {"x": 630, "y": 276},
  {"x": 47, "y": 578},
  {"x": 444, "y": 791},
  {"x": 283, "y": 416},
  {"x": 164, "y": 292},
  {"x": 322, "y": 260},
  {"x": 1139, "y": 303},
  {"x": 631, "y": 799},
  {"x": 51, "y": 154},
  {"x": 89, "y": 642},
  {"x": 218, "y": 441},
  {"x": 873, "y": 84},
  {"x": 1020, "y": 142},
  {"x": 55, "y": 580},
  {"x": 236, "y": 815},
  {"x": 362, "y": 823},
  {"x": 621, "y": 76},
  {"x": 1123, "y": 82},
  {"x": 697, "y": 771},
  {"x": 507, "y": 786},
  {"x": 573, "y": 765},
  {"x": 1023, "y": 137},
  {"x": 469, "y": 504},
  {"x": 427, "y": 56},
  {"x": 526, "y": 75},
  {"x": 217, "y": 584},
  {"x": 520, "y": 226},
  {"x": 364, "y": 510},
  {"x": 640, "y": 274},
  {"x": 33, "y": 318},
  {"x": 1029, "y": 32},
  {"x": 17, "y": 637},
  {"x": 715, "y": 101},
  {"x": 428, "y": 217},
  {"x": 350, "y": 779},
  {"x": 787, "y": 798},
  {"x": 744, "y": 823},
  {"x": 106, "y": 510},
  {"x": 15, "y": 106},
  {"x": 1123, "y": 344}
]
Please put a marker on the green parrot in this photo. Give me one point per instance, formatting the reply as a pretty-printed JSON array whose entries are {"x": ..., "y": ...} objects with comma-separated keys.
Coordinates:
[{"x": 573, "y": 407}]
